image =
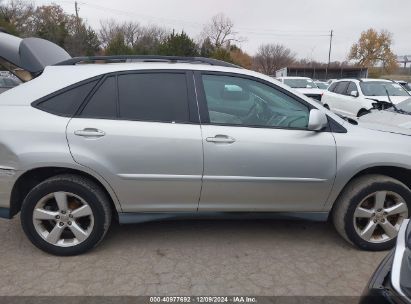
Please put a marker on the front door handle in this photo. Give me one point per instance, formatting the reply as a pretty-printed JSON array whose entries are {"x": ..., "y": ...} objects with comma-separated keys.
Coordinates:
[
  {"x": 90, "y": 132},
  {"x": 224, "y": 139}
]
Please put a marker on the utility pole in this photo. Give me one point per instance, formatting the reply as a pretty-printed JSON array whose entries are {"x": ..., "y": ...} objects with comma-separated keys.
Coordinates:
[
  {"x": 77, "y": 17},
  {"x": 329, "y": 55}
]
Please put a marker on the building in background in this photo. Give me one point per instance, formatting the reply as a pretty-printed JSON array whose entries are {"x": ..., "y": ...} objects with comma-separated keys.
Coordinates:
[{"x": 321, "y": 72}]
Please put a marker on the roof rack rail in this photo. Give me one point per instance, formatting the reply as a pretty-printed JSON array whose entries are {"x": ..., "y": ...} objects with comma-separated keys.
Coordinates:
[{"x": 147, "y": 58}]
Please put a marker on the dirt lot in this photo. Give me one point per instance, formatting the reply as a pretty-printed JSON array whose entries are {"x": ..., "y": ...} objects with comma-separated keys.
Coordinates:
[{"x": 192, "y": 258}]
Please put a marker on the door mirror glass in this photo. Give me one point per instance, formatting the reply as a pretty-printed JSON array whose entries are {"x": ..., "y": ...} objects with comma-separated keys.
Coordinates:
[
  {"x": 234, "y": 92},
  {"x": 354, "y": 93},
  {"x": 317, "y": 120}
]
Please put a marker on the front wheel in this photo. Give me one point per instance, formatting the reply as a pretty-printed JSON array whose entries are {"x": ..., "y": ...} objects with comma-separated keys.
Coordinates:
[
  {"x": 66, "y": 215},
  {"x": 370, "y": 210}
]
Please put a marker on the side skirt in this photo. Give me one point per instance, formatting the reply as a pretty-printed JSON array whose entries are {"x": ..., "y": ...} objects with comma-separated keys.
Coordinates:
[{"x": 135, "y": 218}]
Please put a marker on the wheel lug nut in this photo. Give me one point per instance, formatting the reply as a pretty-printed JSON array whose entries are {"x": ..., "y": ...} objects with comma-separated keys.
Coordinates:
[
  {"x": 63, "y": 212},
  {"x": 57, "y": 217},
  {"x": 69, "y": 223},
  {"x": 70, "y": 216},
  {"x": 61, "y": 224}
]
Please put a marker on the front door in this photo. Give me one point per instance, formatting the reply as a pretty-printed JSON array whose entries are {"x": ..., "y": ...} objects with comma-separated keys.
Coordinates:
[
  {"x": 142, "y": 141},
  {"x": 258, "y": 153}
]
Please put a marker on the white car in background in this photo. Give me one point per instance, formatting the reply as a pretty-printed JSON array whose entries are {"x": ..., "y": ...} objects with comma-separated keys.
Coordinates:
[
  {"x": 303, "y": 85},
  {"x": 356, "y": 97}
]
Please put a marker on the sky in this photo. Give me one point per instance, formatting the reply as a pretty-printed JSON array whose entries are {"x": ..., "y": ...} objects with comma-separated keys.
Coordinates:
[{"x": 302, "y": 25}]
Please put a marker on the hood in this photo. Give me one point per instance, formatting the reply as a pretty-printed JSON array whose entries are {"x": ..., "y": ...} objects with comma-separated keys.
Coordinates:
[
  {"x": 394, "y": 99},
  {"x": 386, "y": 121},
  {"x": 29, "y": 54}
]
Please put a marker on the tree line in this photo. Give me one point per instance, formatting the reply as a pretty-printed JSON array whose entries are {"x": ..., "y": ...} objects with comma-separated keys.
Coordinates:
[{"x": 218, "y": 39}]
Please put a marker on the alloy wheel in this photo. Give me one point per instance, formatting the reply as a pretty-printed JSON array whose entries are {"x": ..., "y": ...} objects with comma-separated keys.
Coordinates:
[
  {"x": 63, "y": 219},
  {"x": 378, "y": 217}
]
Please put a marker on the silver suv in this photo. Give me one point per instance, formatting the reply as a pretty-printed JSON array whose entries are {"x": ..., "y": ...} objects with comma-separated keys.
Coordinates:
[{"x": 149, "y": 138}]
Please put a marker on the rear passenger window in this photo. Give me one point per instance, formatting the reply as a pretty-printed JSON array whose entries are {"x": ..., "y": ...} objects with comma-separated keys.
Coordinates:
[
  {"x": 332, "y": 86},
  {"x": 341, "y": 87},
  {"x": 68, "y": 102},
  {"x": 103, "y": 104},
  {"x": 153, "y": 97}
]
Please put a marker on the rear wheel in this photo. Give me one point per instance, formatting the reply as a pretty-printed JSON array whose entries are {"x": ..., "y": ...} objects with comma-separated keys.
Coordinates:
[
  {"x": 370, "y": 210},
  {"x": 66, "y": 215}
]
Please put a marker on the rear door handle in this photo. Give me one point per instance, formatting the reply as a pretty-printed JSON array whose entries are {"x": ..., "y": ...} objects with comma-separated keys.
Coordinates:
[
  {"x": 90, "y": 132},
  {"x": 224, "y": 139}
]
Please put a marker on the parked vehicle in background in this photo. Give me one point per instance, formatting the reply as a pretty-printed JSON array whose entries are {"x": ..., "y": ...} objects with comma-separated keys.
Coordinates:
[
  {"x": 322, "y": 85},
  {"x": 303, "y": 85},
  {"x": 174, "y": 137},
  {"x": 330, "y": 81},
  {"x": 406, "y": 85},
  {"x": 356, "y": 97},
  {"x": 7, "y": 83},
  {"x": 397, "y": 116},
  {"x": 391, "y": 281}
]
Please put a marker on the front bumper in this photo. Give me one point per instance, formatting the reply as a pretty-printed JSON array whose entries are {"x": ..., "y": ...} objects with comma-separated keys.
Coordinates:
[{"x": 379, "y": 289}]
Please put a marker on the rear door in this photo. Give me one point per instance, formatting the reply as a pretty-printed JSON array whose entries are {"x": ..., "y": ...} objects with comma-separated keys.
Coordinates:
[
  {"x": 339, "y": 98},
  {"x": 140, "y": 131}
]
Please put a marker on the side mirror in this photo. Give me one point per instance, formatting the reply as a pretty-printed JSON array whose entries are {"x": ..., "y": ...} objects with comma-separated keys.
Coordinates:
[
  {"x": 354, "y": 93},
  {"x": 317, "y": 120}
]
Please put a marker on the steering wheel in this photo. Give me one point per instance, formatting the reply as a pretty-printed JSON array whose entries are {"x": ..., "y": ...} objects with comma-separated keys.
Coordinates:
[{"x": 258, "y": 109}]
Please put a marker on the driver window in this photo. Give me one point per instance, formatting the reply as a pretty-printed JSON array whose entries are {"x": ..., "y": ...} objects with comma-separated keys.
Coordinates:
[{"x": 244, "y": 102}]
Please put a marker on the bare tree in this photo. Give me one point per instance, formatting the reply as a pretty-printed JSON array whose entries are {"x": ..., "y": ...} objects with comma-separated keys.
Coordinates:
[
  {"x": 272, "y": 57},
  {"x": 143, "y": 39},
  {"x": 221, "y": 32},
  {"x": 110, "y": 29}
]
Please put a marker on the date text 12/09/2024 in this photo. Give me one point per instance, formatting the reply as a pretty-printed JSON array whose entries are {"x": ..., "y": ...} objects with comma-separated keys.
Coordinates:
[{"x": 204, "y": 299}]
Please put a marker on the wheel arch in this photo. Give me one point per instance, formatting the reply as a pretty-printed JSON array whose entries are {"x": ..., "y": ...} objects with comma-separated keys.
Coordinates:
[
  {"x": 401, "y": 174},
  {"x": 29, "y": 179}
]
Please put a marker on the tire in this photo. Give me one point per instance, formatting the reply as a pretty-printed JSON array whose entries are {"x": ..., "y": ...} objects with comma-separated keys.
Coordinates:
[
  {"x": 364, "y": 190},
  {"x": 72, "y": 191}
]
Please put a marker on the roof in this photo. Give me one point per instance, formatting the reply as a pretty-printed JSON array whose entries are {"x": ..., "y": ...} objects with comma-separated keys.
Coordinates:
[
  {"x": 55, "y": 78},
  {"x": 364, "y": 79}
]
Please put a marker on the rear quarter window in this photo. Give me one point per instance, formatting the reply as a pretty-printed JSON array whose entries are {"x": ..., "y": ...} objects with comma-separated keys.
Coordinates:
[
  {"x": 66, "y": 102},
  {"x": 332, "y": 86}
]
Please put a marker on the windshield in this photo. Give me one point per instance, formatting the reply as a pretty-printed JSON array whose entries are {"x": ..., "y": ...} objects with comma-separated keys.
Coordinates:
[
  {"x": 300, "y": 83},
  {"x": 405, "y": 105},
  {"x": 377, "y": 88},
  {"x": 322, "y": 85}
]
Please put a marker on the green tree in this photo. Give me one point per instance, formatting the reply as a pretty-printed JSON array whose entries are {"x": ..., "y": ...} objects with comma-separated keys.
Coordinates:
[
  {"x": 118, "y": 46},
  {"x": 178, "y": 45},
  {"x": 50, "y": 22},
  {"x": 207, "y": 48},
  {"x": 222, "y": 54}
]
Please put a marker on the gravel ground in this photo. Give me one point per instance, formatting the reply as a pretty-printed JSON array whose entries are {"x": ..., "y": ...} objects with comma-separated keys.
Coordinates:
[{"x": 192, "y": 258}]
